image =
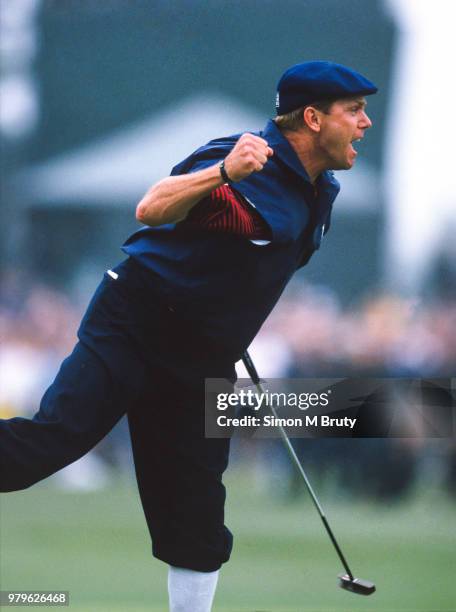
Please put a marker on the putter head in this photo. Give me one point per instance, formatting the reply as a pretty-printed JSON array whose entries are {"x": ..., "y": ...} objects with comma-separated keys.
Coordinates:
[{"x": 358, "y": 586}]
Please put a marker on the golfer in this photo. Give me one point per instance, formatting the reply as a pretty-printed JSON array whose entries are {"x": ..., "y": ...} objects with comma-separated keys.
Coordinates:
[{"x": 224, "y": 235}]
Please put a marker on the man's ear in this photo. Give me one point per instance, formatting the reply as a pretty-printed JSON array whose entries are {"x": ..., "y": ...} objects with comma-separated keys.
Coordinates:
[{"x": 312, "y": 118}]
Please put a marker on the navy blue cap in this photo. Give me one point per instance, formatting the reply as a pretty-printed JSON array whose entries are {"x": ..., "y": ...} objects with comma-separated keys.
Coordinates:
[{"x": 313, "y": 81}]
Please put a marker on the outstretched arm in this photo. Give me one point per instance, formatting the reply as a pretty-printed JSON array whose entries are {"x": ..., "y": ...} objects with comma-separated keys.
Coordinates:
[{"x": 170, "y": 200}]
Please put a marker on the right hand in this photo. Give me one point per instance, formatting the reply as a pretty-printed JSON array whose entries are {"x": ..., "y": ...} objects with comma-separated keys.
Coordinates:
[{"x": 249, "y": 154}]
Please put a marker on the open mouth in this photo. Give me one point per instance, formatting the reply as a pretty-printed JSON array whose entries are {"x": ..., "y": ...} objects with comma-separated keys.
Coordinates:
[{"x": 353, "y": 150}]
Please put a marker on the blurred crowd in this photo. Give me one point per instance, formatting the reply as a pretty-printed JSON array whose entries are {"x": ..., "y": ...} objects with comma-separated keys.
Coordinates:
[
  {"x": 37, "y": 330},
  {"x": 310, "y": 334},
  {"x": 383, "y": 335}
]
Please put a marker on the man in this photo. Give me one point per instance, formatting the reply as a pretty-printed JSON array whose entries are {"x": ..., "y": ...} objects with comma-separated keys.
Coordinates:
[{"x": 226, "y": 231}]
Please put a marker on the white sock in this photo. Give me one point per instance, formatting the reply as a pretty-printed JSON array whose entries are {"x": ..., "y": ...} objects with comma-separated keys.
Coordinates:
[{"x": 191, "y": 591}]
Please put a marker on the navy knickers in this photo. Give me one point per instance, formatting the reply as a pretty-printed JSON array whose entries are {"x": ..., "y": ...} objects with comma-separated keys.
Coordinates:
[{"x": 135, "y": 356}]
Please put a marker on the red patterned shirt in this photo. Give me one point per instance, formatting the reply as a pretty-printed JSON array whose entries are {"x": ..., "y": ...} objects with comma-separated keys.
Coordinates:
[{"x": 224, "y": 210}]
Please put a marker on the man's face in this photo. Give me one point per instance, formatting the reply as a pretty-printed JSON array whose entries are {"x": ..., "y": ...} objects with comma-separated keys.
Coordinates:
[{"x": 345, "y": 124}]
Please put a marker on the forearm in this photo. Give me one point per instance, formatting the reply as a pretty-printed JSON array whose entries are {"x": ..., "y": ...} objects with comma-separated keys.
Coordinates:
[{"x": 170, "y": 200}]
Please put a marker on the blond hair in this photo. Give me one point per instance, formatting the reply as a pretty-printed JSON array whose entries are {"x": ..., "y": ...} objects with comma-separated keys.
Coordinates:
[{"x": 294, "y": 120}]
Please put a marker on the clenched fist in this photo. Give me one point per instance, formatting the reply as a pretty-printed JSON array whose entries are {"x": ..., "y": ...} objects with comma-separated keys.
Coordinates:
[{"x": 249, "y": 154}]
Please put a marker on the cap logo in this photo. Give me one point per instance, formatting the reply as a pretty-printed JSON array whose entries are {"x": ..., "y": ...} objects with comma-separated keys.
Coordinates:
[{"x": 277, "y": 100}]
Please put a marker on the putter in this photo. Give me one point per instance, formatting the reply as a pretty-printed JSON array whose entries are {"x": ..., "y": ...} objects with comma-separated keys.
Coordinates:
[{"x": 347, "y": 581}]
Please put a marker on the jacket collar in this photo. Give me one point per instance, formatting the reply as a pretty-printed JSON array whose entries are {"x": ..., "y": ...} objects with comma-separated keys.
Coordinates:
[{"x": 283, "y": 149}]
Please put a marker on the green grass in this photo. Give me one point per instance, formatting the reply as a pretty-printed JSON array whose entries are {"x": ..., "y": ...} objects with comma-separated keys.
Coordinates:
[{"x": 96, "y": 546}]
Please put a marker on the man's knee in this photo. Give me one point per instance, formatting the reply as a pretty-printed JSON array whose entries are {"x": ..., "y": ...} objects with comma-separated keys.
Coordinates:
[{"x": 192, "y": 551}]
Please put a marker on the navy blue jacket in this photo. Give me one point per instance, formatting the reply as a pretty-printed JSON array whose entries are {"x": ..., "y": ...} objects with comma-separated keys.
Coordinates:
[{"x": 225, "y": 285}]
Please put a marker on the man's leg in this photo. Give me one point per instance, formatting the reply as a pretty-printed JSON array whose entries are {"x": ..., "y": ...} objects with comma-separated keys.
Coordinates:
[
  {"x": 77, "y": 411},
  {"x": 179, "y": 475}
]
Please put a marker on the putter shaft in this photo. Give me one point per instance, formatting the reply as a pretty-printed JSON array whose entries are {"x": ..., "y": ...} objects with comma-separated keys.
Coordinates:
[{"x": 250, "y": 367}]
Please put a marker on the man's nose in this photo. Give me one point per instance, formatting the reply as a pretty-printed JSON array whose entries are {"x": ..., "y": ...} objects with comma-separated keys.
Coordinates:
[{"x": 365, "y": 121}]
